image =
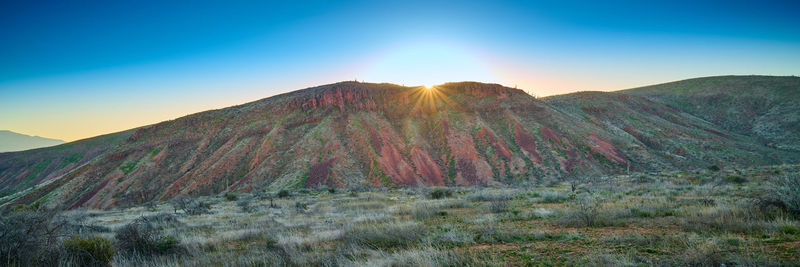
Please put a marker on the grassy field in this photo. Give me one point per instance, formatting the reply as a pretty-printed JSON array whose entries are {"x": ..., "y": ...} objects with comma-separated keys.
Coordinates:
[{"x": 699, "y": 218}]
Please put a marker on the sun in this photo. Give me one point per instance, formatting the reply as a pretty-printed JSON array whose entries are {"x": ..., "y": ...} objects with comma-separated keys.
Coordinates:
[{"x": 428, "y": 86}]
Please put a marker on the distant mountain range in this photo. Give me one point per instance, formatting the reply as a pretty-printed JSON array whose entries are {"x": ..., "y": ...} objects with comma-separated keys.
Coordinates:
[
  {"x": 352, "y": 134},
  {"x": 11, "y": 141}
]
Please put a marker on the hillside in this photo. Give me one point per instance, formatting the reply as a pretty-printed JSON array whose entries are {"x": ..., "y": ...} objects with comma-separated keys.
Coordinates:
[
  {"x": 11, "y": 141},
  {"x": 764, "y": 107},
  {"x": 353, "y": 134}
]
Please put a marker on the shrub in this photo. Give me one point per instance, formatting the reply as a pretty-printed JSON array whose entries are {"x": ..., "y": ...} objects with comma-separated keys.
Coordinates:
[
  {"x": 785, "y": 188},
  {"x": 29, "y": 238},
  {"x": 498, "y": 206},
  {"x": 142, "y": 238},
  {"x": 734, "y": 179},
  {"x": 245, "y": 205},
  {"x": 583, "y": 212},
  {"x": 439, "y": 193},
  {"x": 300, "y": 206},
  {"x": 231, "y": 197},
  {"x": 190, "y": 205},
  {"x": 714, "y": 168},
  {"x": 90, "y": 251},
  {"x": 283, "y": 194}
]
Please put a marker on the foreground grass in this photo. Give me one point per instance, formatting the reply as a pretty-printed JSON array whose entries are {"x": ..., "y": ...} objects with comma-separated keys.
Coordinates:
[{"x": 701, "y": 218}]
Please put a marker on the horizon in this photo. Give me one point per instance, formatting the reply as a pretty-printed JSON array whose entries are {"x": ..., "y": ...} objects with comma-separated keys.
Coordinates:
[{"x": 78, "y": 71}]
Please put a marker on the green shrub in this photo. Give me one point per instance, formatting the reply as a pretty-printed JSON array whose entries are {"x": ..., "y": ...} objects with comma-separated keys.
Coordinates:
[
  {"x": 283, "y": 193},
  {"x": 231, "y": 197},
  {"x": 714, "y": 168},
  {"x": 734, "y": 179},
  {"x": 439, "y": 193},
  {"x": 790, "y": 229},
  {"x": 90, "y": 251}
]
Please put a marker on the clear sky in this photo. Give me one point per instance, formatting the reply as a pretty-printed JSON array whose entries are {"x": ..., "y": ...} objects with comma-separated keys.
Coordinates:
[{"x": 76, "y": 69}]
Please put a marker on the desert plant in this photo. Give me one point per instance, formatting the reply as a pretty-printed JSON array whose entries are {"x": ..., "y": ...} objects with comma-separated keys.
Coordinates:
[
  {"x": 245, "y": 205},
  {"x": 498, "y": 206},
  {"x": 586, "y": 210},
  {"x": 190, "y": 205},
  {"x": 785, "y": 189},
  {"x": 439, "y": 193},
  {"x": 29, "y": 238},
  {"x": 143, "y": 238},
  {"x": 90, "y": 251}
]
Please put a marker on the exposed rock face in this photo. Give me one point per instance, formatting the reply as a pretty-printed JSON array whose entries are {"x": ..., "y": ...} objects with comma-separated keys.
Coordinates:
[{"x": 357, "y": 134}]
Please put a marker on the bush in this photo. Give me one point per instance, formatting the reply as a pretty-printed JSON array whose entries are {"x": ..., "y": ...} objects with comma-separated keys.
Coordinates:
[
  {"x": 91, "y": 251},
  {"x": 498, "y": 206},
  {"x": 714, "y": 168},
  {"x": 785, "y": 188},
  {"x": 231, "y": 197},
  {"x": 142, "y": 238},
  {"x": 245, "y": 205},
  {"x": 439, "y": 193},
  {"x": 283, "y": 194},
  {"x": 29, "y": 238},
  {"x": 734, "y": 179},
  {"x": 190, "y": 205},
  {"x": 584, "y": 212}
]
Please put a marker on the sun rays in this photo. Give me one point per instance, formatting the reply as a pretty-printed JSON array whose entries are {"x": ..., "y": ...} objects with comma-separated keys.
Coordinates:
[{"x": 430, "y": 98}]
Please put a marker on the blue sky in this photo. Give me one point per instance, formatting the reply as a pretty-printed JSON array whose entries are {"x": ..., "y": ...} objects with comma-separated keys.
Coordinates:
[{"x": 76, "y": 69}]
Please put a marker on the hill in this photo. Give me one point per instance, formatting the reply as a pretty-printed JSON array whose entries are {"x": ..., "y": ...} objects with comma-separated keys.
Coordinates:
[
  {"x": 353, "y": 134},
  {"x": 764, "y": 107},
  {"x": 11, "y": 141}
]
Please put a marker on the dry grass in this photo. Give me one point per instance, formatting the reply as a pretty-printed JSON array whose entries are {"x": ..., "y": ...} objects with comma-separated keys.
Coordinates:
[{"x": 649, "y": 219}]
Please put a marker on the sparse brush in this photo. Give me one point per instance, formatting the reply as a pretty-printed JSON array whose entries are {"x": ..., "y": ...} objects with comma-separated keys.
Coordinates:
[
  {"x": 785, "y": 188},
  {"x": 190, "y": 205},
  {"x": 488, "y": 196},
  {"x": 245, "y": 205},
  {"x": 30, "y": 238},
  {"x": 385, "y": 235},
  {"x": 498, "y": 206},
  {"x": 440, "y": 192},
  {"x": 90, "y": 251},
  {"x": 143, "y": 238}
]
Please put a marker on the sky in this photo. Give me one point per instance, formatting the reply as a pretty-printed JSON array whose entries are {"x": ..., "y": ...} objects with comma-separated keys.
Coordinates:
[{"x": 76, "y": 69}]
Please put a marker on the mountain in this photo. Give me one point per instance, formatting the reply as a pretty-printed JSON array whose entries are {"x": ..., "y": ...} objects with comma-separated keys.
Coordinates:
[
  {"x": 352, "y": 134},
  {"x": 11, "y": 141}
]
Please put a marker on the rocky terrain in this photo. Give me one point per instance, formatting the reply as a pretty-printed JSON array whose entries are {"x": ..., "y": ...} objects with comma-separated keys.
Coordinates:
[{"x": 351, "y": 134}]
